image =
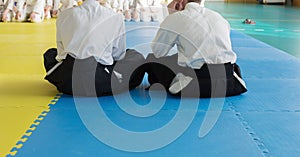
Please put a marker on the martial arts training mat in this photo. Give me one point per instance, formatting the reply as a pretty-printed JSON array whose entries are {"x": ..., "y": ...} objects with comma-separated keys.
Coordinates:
[{"x": 263, "y": 122}]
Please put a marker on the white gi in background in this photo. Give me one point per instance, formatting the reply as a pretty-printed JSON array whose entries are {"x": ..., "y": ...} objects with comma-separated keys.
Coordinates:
[
  {"x": 47, "y": 8},
  {"x": 7, "y": 10},
  {"x": 132, "y": 10},
  {"x": 65, "y": 4},
  {"x": 145, "y": 10},
  {"x": 154, "y": 10},
  {"x": 105, "y": 3},
  {"x": 30, "y": 10}
]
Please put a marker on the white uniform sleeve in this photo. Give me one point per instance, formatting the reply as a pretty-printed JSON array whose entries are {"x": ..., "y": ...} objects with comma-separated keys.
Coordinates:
[
  {"x": 66, "y": 4},
  {"x": 119, "y": 45},
  {"x": 10, "y": 4},
  {"x": 59, "y": 44},
  {"x": 49, "y": 2},
  {"x": 163, "y": 42},
  {"x": 120, "y": 4},
  {"x": 39, "y": 6},
  {"x": 56, "y": 4},
  {"x": 20, "y": 4}
]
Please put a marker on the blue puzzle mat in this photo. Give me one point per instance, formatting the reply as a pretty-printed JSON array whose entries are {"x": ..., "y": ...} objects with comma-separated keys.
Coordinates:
[{"x": 262, "y": 122}]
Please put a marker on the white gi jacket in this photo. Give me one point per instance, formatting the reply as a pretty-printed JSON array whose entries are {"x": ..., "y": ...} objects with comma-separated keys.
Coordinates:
[
  {"x": 91, "y": 30},
  {"x": 200, "y": 34}
]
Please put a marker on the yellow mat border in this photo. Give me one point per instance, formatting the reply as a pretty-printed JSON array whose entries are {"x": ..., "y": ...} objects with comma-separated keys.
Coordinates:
[{"x": 32, "y": 127}]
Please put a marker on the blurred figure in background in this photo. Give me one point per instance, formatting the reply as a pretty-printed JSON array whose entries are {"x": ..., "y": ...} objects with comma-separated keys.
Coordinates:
[
  {"x": 7, "y": 10},
  {"x": 61, "y": 5},
  {"x": 47, "y": 8},
  {"x": 30, "y": 10}
]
